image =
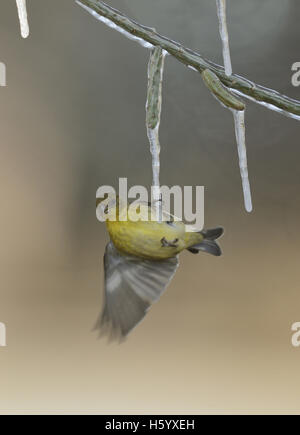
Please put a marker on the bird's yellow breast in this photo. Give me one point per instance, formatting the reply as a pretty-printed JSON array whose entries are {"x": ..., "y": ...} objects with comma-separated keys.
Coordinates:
[{"x": 144, "y": 238}]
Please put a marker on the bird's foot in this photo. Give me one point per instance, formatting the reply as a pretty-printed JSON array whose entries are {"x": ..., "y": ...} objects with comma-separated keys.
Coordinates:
[{"x": 166, "y": 244}]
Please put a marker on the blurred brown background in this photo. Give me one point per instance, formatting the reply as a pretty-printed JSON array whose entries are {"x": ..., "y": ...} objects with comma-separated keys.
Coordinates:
[{"x": 72, "y": 119}]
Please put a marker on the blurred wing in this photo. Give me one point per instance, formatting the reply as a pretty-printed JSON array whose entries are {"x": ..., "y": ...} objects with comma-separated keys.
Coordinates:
[{"x": 132, "y": 285}]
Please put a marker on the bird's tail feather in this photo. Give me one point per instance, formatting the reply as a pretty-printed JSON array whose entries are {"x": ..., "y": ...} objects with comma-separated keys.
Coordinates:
[{"x": 209, "y": 243}]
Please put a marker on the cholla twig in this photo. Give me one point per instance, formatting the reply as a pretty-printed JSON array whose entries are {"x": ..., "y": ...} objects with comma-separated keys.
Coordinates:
[{"x": 267, "y": 97}]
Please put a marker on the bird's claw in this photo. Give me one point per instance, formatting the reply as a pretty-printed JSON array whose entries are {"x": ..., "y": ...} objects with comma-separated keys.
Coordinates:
[{"x": 166, "y": 244}]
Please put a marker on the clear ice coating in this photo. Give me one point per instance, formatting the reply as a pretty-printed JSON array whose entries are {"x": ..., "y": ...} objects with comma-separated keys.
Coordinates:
[
  {"x": 22, "y": 12},
  {"x": 114, "y": 26},
  {"x": 239, "y": 116},
  {"x": 267, "y": 105},
  {"x": 221, "y": 7},
  {"x": 155, "y": 152},
  {"x": 153, "y": 112}
]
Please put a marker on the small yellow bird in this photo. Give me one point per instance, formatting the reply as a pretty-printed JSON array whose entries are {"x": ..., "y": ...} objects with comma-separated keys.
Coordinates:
[{"x": 140, "y": 261}]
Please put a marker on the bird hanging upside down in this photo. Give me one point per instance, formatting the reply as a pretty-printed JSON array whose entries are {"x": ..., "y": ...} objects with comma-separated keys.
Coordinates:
[{"x": 139, "y": 262}]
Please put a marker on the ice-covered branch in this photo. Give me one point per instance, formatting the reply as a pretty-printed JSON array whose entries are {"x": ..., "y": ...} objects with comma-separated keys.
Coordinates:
[
  {"x": 153, "y": 112},
  {"x": 148, "y": 37},
  {"x": 22, "y": 12}
]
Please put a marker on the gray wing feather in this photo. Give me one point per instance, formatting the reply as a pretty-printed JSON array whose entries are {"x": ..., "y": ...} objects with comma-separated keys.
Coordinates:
[{"x": 132, "y": 285}]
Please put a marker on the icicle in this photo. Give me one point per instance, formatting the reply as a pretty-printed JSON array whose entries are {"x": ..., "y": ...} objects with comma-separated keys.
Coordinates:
[
  {"x": 22, "y": 12},
  {"x": 221, "y": 7},
  {"x": 114, "y": 26},
  {"x": 153, "y": 112},
  {"x": 155, "y": 151},
  {"x": 239, "y": 122},
  {"x": 238, "y": 115},
  {"x": 228, "y": 100}
]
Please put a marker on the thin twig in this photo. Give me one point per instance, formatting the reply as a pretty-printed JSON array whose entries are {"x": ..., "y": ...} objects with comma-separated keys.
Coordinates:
[
  {"x": 220, "y": 91},
  {"x": 268, "y": 97}
]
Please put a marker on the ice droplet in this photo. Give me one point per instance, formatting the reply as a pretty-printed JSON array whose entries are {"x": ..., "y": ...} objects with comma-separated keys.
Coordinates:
[{"x": 22, "y": 12}]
